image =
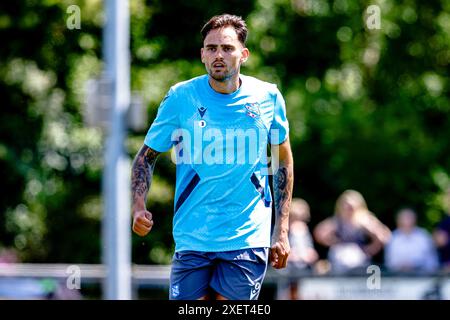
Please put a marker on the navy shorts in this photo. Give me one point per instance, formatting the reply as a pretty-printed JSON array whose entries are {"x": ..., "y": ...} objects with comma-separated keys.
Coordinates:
[{"x": 236, "y": 275}]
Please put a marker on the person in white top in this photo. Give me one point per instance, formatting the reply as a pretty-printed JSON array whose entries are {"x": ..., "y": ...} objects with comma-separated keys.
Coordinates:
[{"x": 410, "y": 248}]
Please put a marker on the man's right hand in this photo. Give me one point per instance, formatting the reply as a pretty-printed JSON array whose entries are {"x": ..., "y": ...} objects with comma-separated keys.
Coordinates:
[{"x": 142, "y": 222}]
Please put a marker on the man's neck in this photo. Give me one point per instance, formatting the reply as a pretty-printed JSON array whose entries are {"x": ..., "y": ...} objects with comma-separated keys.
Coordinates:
[{"x": 227, "y": 86}]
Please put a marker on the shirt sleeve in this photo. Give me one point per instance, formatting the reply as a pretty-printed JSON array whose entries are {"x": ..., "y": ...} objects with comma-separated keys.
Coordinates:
[
  {"x": 279, "y": 130},
  {"x": 159, "y": 136}
]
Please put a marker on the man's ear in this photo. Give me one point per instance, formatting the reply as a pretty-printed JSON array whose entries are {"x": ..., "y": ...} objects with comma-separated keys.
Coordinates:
[
  {"x": 245, "y": 55},
  {"x": 201, "y": 55}
]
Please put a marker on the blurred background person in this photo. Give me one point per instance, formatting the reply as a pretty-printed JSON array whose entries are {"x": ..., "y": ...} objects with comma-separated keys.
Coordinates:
[
  {"x": 303, "y": 255},
  {"x": 353, "y": 235},
  {"x": 411, "y": 248},
  {"x": 441, "y": 236}
]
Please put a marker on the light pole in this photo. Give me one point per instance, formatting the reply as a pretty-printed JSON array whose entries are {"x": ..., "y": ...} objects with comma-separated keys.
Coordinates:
[{"x": 116, "y": 175}]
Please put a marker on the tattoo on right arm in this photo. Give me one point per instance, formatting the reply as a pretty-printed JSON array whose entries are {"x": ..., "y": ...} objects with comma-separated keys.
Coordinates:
[{"x": 142, "y": 174}]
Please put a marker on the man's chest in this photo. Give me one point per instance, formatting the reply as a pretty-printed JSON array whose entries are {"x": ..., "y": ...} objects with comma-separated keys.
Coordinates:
[{"x": 245, "y": 114}]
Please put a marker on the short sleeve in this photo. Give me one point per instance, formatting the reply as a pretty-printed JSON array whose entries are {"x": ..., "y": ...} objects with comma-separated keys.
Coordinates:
[
  {"x": 279, "y": 130},
  {"x": 159, "y": 136}
]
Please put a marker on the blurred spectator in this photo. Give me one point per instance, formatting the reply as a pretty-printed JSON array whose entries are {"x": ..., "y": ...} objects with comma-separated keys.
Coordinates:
[
  {"x": 410, "y": 248},
  {"x": 441, "y": 236},
  {"x": 303, "y": 255},
  {"x": 354, "y": 235}
]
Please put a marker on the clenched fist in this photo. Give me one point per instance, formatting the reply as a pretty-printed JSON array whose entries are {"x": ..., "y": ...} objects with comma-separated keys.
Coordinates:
[
  {"x": 142, "y": 222},
  {"x": 279, "y": 251}
]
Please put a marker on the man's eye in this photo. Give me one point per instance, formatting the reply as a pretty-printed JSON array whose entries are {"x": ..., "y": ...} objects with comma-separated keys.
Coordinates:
[
  {"x": 212, "y": 49},
  {"x": 227, "y": 49}
]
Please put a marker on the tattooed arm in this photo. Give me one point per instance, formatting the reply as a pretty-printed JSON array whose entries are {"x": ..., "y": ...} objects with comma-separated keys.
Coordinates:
[
  {"x": 283, "y": 180},
  {"x": 141, "y": 179}
]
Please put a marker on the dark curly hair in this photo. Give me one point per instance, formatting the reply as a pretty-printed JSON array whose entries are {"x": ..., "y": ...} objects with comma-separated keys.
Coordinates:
[{"x": 225, "y": 20}]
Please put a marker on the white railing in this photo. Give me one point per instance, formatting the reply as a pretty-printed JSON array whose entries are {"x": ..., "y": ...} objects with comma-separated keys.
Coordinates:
[{"x": 356, "y": 286}]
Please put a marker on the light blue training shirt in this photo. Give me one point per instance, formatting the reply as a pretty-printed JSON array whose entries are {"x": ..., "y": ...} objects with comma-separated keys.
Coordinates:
[{"x": 222, "y": 196}]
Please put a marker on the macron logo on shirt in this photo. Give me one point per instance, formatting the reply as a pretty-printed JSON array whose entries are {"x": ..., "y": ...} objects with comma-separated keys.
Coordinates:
[{"x": 202, "y": 111}]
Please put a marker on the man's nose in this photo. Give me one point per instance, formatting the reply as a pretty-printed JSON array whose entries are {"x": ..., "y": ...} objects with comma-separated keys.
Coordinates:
[{"x": 219, "y": 54}]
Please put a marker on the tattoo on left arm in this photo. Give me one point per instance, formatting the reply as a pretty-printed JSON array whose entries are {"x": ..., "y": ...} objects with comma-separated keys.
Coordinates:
[{"x": 282, "y": 185}]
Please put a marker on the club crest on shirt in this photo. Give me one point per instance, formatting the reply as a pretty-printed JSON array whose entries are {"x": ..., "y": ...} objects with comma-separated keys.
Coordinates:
[{"x": 253, "y": 109}]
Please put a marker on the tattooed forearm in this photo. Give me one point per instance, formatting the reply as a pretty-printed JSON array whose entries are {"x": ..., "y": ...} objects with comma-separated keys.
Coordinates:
[
  {"x": 282, "y": 185},
  {"x": 141, "y": 175}
]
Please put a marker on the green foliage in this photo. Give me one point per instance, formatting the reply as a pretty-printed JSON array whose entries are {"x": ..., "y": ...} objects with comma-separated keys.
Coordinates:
[{"x": 368, "y": 109}]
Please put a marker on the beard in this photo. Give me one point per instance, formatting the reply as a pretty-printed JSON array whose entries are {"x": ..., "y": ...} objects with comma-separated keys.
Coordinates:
[{"x": 223, "y": 75}]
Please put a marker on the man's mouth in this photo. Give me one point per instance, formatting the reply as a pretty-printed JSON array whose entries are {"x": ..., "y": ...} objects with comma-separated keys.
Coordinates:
[{"x": 218, "y": 65}]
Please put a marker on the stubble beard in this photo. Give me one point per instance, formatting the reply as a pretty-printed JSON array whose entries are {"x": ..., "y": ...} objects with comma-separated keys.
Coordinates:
[{"x": 223, "y": 76}]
